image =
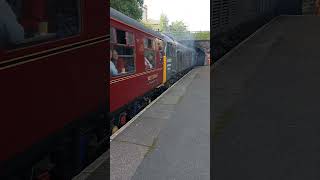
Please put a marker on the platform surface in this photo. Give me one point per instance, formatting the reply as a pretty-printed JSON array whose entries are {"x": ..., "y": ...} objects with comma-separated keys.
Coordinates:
[
  {"x": 266, "y": 104},
  {"x": 168, "y": 140},
  {"x": 171, "y": 139}
]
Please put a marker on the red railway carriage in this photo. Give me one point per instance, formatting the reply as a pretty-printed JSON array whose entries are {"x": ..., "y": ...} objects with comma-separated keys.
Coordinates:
[
  {"x": 137, "y": 66},
  {"x": 53, "y": 83}
]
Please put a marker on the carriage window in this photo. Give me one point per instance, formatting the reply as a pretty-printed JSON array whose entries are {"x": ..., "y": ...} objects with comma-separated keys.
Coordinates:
[
  {"x": 124, "y": 37},
  {"x": 125, "y": 60},
  {"x": 130, "y": 39},
  {"x": 149, "y": 59},
  {"x": 149, "y": 54},
  {"x": 121, "y": 37},
  {"x": 160, "y": 45},
  {"x": 122, "y": 59},
  {"x": 148, "y": 43},
  {"x": 145, "y": 43},
  {"x": 28, "y": 22},
  {"x": 161, "y": 49}
]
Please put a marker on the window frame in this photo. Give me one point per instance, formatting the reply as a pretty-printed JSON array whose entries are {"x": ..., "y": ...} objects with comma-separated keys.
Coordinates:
[
  {"x": 152, "y": 43},
  {"x": 113, "y": 35},
  {"x": 173, "y": 50},
  {"x": 133, "y": 46},
  {"x": 153, "y": 49},
  {"x": 160, "y": 49},
  {"x": 133, "y": 39},
  {"x": 55, "y": 41}
]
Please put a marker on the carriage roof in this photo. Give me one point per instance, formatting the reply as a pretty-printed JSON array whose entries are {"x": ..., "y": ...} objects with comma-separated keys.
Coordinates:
[{"x": 129, "y": 21}]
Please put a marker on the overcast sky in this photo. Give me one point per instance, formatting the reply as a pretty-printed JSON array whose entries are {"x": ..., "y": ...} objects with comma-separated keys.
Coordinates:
[{"x": 194, "y": 13}]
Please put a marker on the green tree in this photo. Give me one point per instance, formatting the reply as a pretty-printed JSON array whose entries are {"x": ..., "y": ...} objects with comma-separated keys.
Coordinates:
[
  {"x": 164, "y": 23},
  {"x": 205, "y": 35},
  {"x": 178, "y": 26},
  {"x": 131, "y": 8}
]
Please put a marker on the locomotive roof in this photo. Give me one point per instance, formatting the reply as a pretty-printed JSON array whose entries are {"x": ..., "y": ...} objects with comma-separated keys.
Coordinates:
[
  {"x": 180, "y": 45},
  {"x": 167, "y": 38},
  {"x": 170, "y": 38},
  {"x": 127, "y": 20}
]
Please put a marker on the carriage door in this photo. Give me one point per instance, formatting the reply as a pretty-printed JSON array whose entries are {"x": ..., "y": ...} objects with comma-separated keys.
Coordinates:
[
  {"x": 169, "y": 60},
  {"x": 179, "y": 61}
]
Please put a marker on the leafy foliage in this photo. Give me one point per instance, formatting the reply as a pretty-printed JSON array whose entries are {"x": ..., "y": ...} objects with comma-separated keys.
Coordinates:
[
  {"x": 178, "y": 26},
  {"x": 205, "y": 35},
  {"x": 131, "y": 8}
]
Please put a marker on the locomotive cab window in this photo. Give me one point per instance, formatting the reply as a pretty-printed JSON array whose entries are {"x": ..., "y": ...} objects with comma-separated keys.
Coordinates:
[
  {"x": 171, "y": 51},
  {"x": 24, "y": 23},
  {"x": 149, "y": 54},
  {"x": 122, "y": 53}
]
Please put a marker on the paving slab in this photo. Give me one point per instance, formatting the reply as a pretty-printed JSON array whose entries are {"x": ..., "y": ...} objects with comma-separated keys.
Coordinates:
[
  {"x": 170, "y": 99},
  {"x": 150, "y": 129},
  {"x": 124, "y": 159},
  {"x": 141, "y": 138},
  {"x": 142, "y": 132},
  {"x": 182, "y": 150},
  {"x": 162, "y": 107}
]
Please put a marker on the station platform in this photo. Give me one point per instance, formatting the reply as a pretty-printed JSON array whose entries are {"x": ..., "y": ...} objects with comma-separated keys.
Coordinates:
[
  {"x": 169, "y": 139},
  {"x": 266, "y": 104}
]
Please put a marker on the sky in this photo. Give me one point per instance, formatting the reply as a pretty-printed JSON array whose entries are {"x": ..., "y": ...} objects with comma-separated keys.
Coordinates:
[{"x": 194, "y": 13}]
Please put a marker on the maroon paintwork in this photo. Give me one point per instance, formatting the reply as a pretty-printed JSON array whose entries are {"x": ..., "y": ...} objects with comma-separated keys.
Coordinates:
[
  {"x": 125, "y": 89},
  {"x": 41, "y": 94}
]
